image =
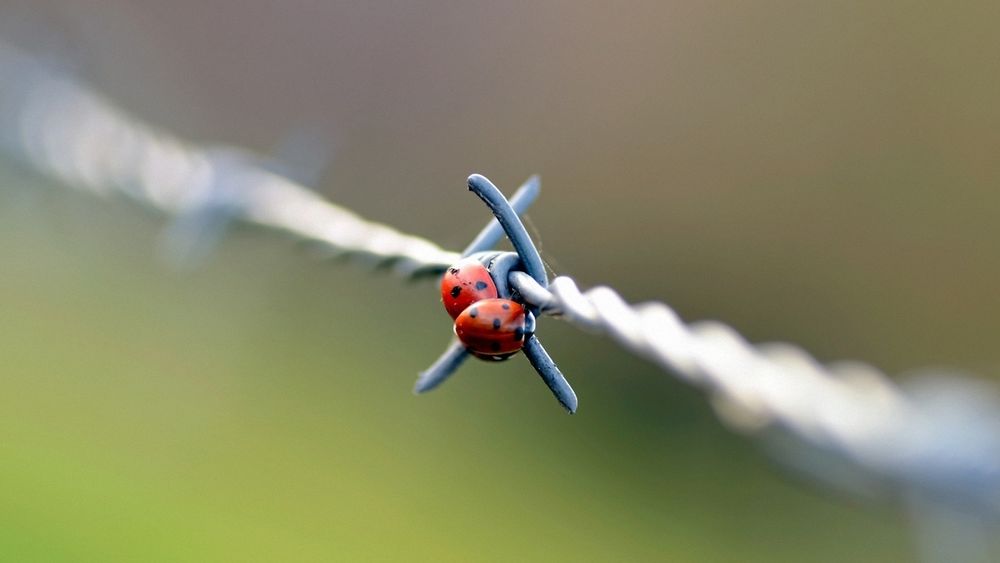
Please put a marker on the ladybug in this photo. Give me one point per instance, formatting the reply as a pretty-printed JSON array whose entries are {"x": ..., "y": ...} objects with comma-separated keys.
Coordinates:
[
  {"x": 465, "y": 283},
  {"x": 493, "y": 329}
]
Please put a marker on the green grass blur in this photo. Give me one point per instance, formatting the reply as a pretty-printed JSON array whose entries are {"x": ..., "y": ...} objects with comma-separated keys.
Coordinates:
[
  {"x": 260, "y": 410},
  {"x": 822, "y": 175}
]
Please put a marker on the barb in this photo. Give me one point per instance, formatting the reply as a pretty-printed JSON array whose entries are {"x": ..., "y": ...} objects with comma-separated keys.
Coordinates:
[
  {"x": 498, "y": 265},
  {"x": 939, "y": 438}
]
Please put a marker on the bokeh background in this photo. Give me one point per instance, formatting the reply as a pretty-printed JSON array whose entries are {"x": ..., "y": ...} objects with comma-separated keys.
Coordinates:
[{"x": 823, "y": 174}]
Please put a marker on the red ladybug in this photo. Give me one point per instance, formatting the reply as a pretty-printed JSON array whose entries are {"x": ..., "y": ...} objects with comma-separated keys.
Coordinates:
[
  {"x": 465, "y": 283},
  {"x": 492, "y": 329}
]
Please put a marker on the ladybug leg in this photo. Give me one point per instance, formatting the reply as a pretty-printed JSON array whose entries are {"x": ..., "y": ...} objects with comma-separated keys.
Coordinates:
[
  {"x": 543, "y": 364},
  {"x": 442, "y": 368},
  {"x": 520, "y": 202}
]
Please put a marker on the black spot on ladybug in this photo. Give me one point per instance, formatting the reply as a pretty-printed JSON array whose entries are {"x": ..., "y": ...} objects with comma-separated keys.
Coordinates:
[
  {"x": 456, "y": 290},
  {"x": 518, "y": 334},
  {"x": 481, "y": 285},
  {"x": 473, "y": 312},
  {"x": 496, "y": 324},
  {"x": 495, "y": 345},
  {"x": 453, "y": 271},
  {"x": 506, "y": 307}
]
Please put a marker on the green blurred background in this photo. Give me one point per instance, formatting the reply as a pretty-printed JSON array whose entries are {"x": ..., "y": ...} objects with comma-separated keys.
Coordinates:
[{"x": 823, "y": 174}]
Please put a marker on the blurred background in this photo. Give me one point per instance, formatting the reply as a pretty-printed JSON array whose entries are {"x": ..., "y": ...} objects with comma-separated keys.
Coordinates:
[{"x": 824, "y": 175}]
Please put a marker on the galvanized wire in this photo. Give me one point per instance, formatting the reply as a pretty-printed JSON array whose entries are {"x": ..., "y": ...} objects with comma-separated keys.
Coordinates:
[
  {"x": 943, "y": 435},
  {"x": 63, "y": 129},
  {"x": 938, "y": 439}
]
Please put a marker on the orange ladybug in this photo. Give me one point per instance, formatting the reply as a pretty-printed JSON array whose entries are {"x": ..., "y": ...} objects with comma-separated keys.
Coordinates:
[
  {"x": 466, "y": 283},
  {"x": 492, "y": 329}
]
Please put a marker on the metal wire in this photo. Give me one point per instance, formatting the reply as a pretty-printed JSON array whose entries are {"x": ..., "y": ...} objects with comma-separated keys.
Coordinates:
[
  {"x": 938, "y": 438},
  {"x": 73, "y": 134},
  {"x": 942, "y": 436}
]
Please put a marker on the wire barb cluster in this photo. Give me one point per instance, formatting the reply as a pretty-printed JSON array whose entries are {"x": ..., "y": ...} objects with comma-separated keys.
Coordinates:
[
  {"x": 939, "y": 438},
  {"x": 506, "y": 221}
]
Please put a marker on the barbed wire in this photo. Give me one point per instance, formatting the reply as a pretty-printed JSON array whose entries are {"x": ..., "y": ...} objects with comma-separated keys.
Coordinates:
[
  {"x": 65, "y": 130},
  {"x": 943, "y": 435},
  {"x": 938, "y": 437}
]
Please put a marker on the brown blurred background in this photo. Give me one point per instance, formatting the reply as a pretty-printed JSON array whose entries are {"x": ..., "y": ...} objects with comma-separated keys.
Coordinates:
[{"x": 822, "y": 174}]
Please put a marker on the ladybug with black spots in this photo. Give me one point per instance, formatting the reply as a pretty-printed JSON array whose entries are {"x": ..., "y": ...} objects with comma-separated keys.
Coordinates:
[
  {"x": 492, "y": 322},
  {"x": 465, "y": 283},
  {"x": 493, "y": 329}
]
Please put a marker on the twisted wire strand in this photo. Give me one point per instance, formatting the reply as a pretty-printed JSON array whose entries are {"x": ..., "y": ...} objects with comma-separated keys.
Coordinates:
[
  {"x": 67, "y": 131},
  {"x": 941, "y": 436}
]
